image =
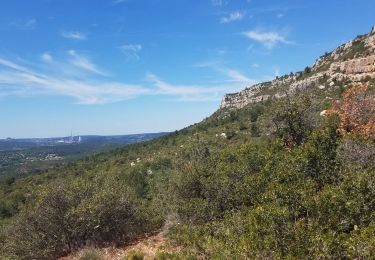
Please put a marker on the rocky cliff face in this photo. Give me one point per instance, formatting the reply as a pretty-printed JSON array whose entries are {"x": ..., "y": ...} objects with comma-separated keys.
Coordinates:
[
  {"x": 355, "y": 68},
  {"x": 353, "y": 61}
]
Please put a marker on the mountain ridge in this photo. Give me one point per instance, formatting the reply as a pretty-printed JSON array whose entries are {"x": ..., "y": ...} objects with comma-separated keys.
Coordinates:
[{"x": 352, "y": 61}]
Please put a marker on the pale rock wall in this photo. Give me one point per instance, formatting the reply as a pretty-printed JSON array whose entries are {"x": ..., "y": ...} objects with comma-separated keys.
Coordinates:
[
  {"x": 251, "y": 95},
  {"x": 355, "y": 69}
]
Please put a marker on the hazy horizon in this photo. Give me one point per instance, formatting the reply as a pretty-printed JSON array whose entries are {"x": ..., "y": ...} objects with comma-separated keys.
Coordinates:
[{"x": 76, "y": 135}]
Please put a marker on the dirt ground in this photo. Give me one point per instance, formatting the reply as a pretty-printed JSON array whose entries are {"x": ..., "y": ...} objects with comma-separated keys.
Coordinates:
[{"x": 148, "y": 246}]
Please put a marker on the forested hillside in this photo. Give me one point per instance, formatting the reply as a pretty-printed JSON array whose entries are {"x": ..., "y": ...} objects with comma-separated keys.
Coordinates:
[{"x": 287, "y": 176}]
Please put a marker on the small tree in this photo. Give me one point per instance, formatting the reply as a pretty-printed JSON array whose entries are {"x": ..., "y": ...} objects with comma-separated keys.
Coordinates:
[
  {"x": 292, "y": 120},
  {"x": 307, "y": 70}
]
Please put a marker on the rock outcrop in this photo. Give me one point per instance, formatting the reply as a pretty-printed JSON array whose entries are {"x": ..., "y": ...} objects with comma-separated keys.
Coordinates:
[
  {"x": 355, "y": 66},
  {"x": 241, "y": 99},
  {"x": 353, "y": 61}
]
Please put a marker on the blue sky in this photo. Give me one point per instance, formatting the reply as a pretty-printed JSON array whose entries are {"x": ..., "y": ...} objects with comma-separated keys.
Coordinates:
[{"x": 130, "y": 66}]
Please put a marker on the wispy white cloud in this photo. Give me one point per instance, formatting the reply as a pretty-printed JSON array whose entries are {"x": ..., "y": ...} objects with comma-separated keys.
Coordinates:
[
  {"x": 233, "y": 17},
  {"x": 236, "y": 75},
  {"x": 192, "y": 92},
  {"x": 131, "y": 51},
  {"x": 269, "y": 39},
  {"x": 84, "y": 63},
  {"x": 74, "y": 35},
  {"x": 14, "y": 66},
  {"x": 46, "y": 57},
  {"x": 232, "y": 74},
  {"x": 19, "y": 80},
  {"x": 16, "y": 79}
]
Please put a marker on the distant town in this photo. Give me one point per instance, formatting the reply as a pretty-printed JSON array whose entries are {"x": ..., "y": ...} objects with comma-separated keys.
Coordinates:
[{"x": 70, "y": 140}]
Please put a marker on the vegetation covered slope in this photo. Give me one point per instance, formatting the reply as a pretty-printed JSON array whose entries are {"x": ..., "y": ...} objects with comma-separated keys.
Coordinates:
[{"x": 286, "y": 177}]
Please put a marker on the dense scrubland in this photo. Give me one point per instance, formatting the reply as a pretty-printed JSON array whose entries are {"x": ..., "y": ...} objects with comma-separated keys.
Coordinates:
[{"x": 284, "y": 178}]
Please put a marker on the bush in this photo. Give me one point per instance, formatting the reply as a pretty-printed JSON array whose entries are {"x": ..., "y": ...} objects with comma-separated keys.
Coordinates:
[
  {"x": 319, "y": 154},
  {"x": 135, "y": 255},
  {"x": 307, "y": 70},
  {"x": 356, "y": 152},
  {"x": 74, "y": 214},
  {"x": 90, "y": 254},
  {"x": 254, "y": 130},
  {"x": 292, "y": 120}
]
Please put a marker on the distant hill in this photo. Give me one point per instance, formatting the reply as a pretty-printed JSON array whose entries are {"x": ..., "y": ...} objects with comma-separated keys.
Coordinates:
[
  {"x": 26, "y": 143},
  {"x": 24, "y": 157}
]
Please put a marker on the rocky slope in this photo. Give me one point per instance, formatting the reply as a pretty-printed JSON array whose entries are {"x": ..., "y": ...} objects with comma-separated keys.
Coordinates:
[{"x": 353, "y": 61}]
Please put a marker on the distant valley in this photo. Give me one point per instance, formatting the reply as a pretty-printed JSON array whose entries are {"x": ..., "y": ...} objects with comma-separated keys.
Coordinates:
[{"x": 20, "y": 157}]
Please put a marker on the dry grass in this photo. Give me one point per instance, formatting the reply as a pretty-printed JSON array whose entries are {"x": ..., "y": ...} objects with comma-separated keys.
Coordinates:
[{"x": 149, "y": 247}]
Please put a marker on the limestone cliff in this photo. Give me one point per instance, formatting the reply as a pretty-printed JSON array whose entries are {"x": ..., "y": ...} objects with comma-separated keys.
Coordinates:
[{"x": 353, "y": 61}]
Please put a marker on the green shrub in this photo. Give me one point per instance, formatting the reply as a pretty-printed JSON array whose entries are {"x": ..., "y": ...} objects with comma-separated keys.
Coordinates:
[
  {"x": 254, "y": 130},
  {"x": 68, "y": 216},
  {"x": 90, "y": 254},
  {"x": 307, "y": 70},
  {"x": 134, "y": 255},
  {"x": 292, "y": 120}
]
